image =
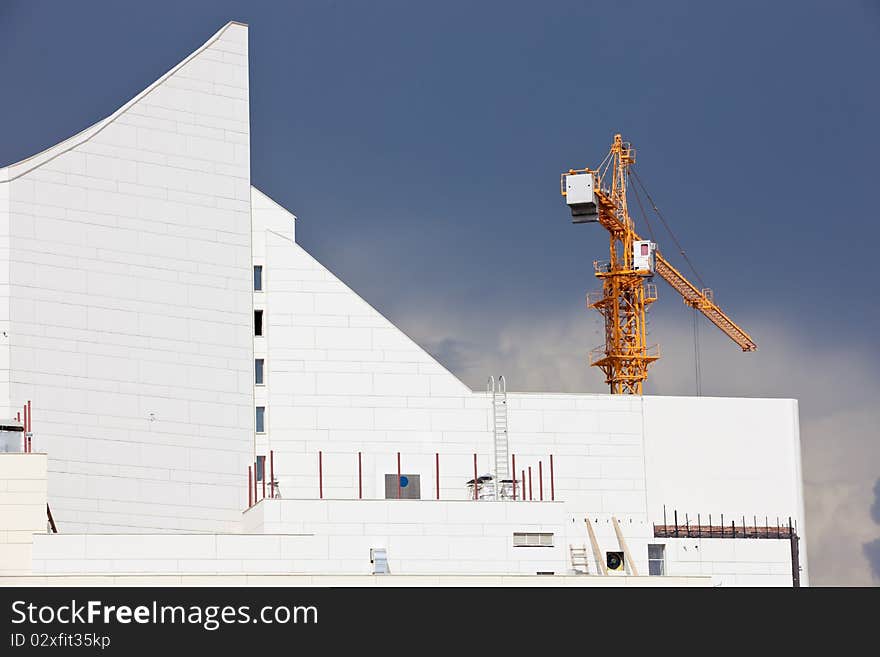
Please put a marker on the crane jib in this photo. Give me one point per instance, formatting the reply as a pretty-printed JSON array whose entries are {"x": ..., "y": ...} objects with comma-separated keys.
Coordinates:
[{"x": 698, "y": 300}]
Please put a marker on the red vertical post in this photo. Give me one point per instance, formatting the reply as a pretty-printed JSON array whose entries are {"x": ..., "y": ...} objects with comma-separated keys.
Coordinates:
[
  {"x": 24, "y": 435},
  {"x": 523, "y": 485},
  {"x": 272, "y": 473},
  {"x": 30, "y": 425},
  {"x": 264, "y": 477},
  {"x": 475, "y": 477},
  {"x": 530, "y": 483},
  {"x": 552, "y": 486},
  {"x": 513, "y": 469},
  {"x": 540, "y": 481},
  {"x": 255, "y": 483},
  {"x": 320, "y": 475},
  {"x": 250, "y": 490},
  {"x": 398, "y": 475},
  {"x": 437, "y": 472},
  {"x": 360, "y": 478}
]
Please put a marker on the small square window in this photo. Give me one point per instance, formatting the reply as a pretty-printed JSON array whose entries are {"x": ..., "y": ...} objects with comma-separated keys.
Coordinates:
[
  {"x": 258, "y": 322},
  {"x": 259, "y": 367},
  {"x": 261, "y": 419},
  {"x": 258, "y": 278}
]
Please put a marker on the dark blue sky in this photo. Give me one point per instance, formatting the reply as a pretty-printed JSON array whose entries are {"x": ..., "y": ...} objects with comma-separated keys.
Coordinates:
[
  {"x": 421, "y": 144},
  {"x": 428, "y": 137}
]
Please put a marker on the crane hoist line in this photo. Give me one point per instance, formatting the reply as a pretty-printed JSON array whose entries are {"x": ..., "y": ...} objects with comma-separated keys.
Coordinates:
[{"x": 599, "y": 196}]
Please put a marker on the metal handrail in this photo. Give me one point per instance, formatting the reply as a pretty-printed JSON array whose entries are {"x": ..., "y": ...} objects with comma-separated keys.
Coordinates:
[{"x": 598, "y": 353}]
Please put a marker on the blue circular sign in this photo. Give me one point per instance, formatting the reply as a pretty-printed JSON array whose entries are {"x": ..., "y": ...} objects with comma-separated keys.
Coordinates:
[{"x": 404, "y": 481}]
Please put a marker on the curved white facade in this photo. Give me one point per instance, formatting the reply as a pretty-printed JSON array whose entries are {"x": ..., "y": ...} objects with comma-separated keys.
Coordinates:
[{"x": 126, "y": 308}]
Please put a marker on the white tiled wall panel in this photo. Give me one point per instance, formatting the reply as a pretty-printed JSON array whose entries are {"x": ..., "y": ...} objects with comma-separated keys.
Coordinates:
[
  {"x": 129, "y": 252},
  {"x": 22, "y": 508}
]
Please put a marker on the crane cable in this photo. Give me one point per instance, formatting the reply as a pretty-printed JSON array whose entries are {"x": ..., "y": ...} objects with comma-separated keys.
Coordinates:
[
  {"x": 644, "y": 214},
  {"x": 697, "y": 369},
  {"x": 697, "y": 372},
  {"x": 668, "y": 229}
]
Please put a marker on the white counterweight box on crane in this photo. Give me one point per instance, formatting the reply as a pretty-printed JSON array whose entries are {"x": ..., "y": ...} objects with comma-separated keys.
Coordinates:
[{"x": 578, "y": 192}]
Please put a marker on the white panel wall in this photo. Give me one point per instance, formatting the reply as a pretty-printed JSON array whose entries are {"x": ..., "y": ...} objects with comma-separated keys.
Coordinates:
[
  {"x": 342, "y": 379},
  {"x": 732, "y": 562},
  {"x": 311, "y": 536},
  {"x": 22, "y": 509},
  {"x": 131, "y": 303},
  {"x": 739, "y": 457},
  {"x": 5, "y": 409}
]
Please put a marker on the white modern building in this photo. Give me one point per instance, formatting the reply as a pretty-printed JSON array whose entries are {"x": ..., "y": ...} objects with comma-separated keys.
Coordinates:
[{"x": 211, "y": 404}]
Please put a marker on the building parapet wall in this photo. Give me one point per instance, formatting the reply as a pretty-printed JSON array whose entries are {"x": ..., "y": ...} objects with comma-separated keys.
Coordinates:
[{"x": 22, "y": 509}]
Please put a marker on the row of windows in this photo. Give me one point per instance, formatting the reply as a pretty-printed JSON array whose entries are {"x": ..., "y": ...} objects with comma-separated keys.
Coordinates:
[
  {"x": 259, "y": 369},
  {"x": 258, "y": 287}
]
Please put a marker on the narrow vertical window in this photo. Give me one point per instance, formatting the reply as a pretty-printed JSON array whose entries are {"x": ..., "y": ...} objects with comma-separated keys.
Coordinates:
[
  {"x": 261, "y": 419},
  {"x": 258, "y": 322},
  {"x": 261, "y": 467},
  {"x": 259, "y": 364},
  {"x": 656, "y": 559},
  {"x": 258, "y": 278}
]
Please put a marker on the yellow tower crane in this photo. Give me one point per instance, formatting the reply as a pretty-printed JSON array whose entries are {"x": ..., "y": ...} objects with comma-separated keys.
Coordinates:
[{"x": 599, "y": 195}]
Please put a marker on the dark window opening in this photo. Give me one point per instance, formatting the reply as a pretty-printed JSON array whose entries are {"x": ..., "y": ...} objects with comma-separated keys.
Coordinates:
[{"x": 258, "y": 322}]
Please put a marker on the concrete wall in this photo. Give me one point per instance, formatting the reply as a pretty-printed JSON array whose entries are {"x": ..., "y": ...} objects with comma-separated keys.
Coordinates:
[
  {"x": 131, "y": 304},
  {"x": 22, "y": 508}
]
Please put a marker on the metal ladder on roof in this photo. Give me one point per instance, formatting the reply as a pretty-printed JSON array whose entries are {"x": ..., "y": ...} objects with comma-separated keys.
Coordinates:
[
  {"x": 498, "y": 389},
  {"x": 580, "y": 560}
]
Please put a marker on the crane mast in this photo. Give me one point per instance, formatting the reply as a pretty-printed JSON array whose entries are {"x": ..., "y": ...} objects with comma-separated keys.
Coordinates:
[{"x": 627, "y": 290}]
